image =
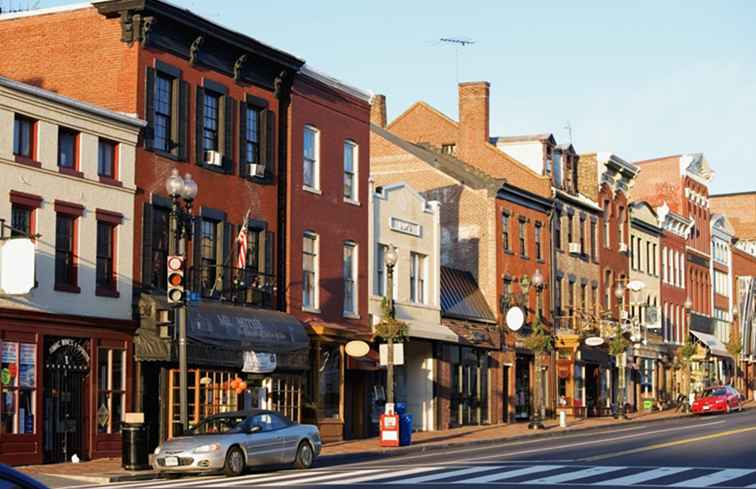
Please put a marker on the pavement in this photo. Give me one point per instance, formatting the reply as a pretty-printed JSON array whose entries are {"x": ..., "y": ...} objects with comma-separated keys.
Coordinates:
[{"x": 105, "y": 471}]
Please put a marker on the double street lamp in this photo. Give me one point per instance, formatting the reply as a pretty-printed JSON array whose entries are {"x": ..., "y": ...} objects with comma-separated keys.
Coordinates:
[
  {"x": 619, "y": 293},
  {"x": 183, "y": 191},
  {"x": 390, "y": 258}
]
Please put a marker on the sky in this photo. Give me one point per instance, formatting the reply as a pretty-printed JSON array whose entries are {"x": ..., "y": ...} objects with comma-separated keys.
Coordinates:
[{"x": 640, "y": 79}]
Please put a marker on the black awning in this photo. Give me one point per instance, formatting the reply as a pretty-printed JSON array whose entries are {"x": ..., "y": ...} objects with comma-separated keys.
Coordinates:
[{"x": 245, "y": 328}]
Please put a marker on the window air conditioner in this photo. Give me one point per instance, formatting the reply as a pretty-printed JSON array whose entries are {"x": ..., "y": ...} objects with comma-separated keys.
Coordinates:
[
  {"x": 623, "y": 247},
  {"x": 213, "y": 158},
  {"x": 574, "y": 248},
  {"x": 256, "y": 170}
]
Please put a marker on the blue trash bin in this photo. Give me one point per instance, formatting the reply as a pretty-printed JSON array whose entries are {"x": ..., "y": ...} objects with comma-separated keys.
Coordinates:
[
  {"x": 405, "y": 430},
  {"x": 400, "y": 408}
]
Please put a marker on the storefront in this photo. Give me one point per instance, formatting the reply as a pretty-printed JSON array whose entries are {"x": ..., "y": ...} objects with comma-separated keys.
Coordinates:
[
  {"x": 712, "y": 364},
  {"x": 65, "y": 386},
  {"x": 585, "y": 380},
  {"x": 238, "y": 358}
]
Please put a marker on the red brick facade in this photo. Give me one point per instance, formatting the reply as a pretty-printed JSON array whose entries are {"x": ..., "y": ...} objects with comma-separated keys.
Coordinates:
[{"x": 614, "y": 251}]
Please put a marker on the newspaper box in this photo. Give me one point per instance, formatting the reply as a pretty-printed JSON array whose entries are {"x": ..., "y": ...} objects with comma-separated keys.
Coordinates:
[{"x": 389, "y": 430}]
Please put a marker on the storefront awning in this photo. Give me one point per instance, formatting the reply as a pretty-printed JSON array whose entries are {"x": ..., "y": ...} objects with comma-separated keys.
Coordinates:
[
  {"x": 429, "y": 331},
  {"x": 245, "y": 328},
  {"x": 711, "y": 342}
]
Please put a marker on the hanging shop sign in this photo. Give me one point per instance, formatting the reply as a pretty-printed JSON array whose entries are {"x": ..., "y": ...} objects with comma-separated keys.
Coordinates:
[
  {"x": 515, "y": 318},
  {"x": 357, "y": 348},
  {"x": 594, "y": 341},
  {"x": 259, "y": 362},
  {"x": 398, "y": 354}
]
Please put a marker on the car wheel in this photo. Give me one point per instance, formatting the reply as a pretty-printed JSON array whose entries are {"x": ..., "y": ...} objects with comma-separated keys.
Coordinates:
[
  {"x": 727, "y": 409},
  {"x": 234, "y": 462},
  {"x": 305, "y": 456}
]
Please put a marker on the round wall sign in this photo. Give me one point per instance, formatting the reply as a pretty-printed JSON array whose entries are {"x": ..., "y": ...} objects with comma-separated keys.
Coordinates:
[
  {"x": 594, "y": 341},
  {"x": 357, "y": 348},
  {"x": 515, "y": 318}
]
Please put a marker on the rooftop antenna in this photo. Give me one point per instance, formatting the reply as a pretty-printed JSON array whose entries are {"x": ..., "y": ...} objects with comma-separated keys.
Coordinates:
[
  {"x": 568, "y": 126},
  {"x": 458, "y": 42}
]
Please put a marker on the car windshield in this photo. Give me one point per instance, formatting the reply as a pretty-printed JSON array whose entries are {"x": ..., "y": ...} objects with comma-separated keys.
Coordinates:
[
  {"x": 220, "y": 424},
  {"x": 720, "y": 391}
]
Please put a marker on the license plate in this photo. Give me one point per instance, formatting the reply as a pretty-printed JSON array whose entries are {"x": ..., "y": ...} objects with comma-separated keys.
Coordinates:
[
  {"x": 171, "y": 461},
  {"x": 706, "y": 408}
]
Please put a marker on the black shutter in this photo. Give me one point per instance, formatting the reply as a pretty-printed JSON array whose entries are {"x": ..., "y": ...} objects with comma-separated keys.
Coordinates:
[
  {"x": 196, "y": 255},
  {"x": 149, "y": 108},
  {"x": 228, "y": 139},
  {"x": 243, "y": 169},
  {"x": 228, "y": 230},
  {"x": 269, "y": 135},
  {"x": 200, "y": 126},
  {"x": 183, "y": 120},
  {"x": 262, "y": 136},
  {"x": 269, "y": 245},
  {"x": 147, "y": 221}
]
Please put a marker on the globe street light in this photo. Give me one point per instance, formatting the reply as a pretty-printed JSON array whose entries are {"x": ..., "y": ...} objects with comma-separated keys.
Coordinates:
[
  {"x": 389, "y": 259},
  {"x": 536, "y": 280},
  {"x": 619, "y": 293}
]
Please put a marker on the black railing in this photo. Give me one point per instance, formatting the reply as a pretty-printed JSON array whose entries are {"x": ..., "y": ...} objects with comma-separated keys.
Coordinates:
[{"x": 245, "y": 287}]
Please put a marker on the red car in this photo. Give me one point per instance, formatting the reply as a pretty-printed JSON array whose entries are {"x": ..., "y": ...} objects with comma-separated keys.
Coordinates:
[{"x": 718, "y": 400}]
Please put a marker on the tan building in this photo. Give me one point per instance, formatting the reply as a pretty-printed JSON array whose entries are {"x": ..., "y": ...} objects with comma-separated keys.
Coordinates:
[{"x": 67, "y": 179}]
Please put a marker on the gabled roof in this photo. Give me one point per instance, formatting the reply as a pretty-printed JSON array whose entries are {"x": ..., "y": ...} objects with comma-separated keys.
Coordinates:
[
  {"x": 524, "y": 138},
  {"x": 461, "y": 298}
]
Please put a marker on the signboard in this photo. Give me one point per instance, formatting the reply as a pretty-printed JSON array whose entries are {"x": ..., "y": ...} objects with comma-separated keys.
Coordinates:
[
  {"x": 259, "y": 363},
  {"x": 652, "y": 317},
  {"x": 17, "y": 266},
  {"x": 357, "y": 348},
  {"x": 406, "y": 227},
  {"x": 398, "y": 354},
  {"x": 515, "y": 318},
  {"x": 594, "y": 341}
]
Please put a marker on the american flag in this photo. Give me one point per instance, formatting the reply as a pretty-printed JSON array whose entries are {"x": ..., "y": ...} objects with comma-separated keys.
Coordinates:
[{"x": 242, "y": 242}]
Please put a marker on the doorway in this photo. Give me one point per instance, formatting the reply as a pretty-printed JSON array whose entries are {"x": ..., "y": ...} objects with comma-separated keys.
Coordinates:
[
  {"x": 592, "y": 389},
  {"x": 65, "y": 377},
  {"x": 523, "y": 391},
  {"x": 505, "y": 394}
]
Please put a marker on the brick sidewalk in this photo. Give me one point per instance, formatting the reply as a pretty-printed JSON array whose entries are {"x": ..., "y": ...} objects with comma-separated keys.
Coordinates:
[{"x": 109, "y": 469}]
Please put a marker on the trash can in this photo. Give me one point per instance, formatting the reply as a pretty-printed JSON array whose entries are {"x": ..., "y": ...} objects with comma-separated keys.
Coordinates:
[
  {"x": 405, "y": 430},
  {"x": 400, "y": 408},
  {"x": 134, "y": 454}
]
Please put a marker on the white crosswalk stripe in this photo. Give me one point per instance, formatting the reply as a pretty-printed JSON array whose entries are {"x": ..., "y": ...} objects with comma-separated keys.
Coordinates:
[
  {"x": 447, "y": 475},
  {"x": 510, "y": 474},
  {"x": 387, "y": 475},
  {"x": 642, "y": 476},
  {"x": 578, "y": 474},
  {"x": 714, "y": 479},
  {"x": 321, "y": 478},
  {"x": 281, "y": 476}
]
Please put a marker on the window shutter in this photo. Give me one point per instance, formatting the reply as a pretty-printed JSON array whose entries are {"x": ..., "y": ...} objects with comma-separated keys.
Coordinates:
[
  {"x": 228, "y": 139},
  {"x": 269, "y": 137},
  {"x": 269, "y": 244},
  {"x": 196, "y": 254},
  {"x": 149, "y": 108},
  {"x": 183, "y": 120},
  {"x": 243, "y": 169},
  {"x": 228, "y": 233},
  {"x": 147, "y": 246},
  {"x": 200, "y": 126}
]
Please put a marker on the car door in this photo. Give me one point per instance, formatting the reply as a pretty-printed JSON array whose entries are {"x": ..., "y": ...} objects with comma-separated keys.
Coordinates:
[
  {"x": 263, "y": 446},
  {"x": 289, "y": 434}
]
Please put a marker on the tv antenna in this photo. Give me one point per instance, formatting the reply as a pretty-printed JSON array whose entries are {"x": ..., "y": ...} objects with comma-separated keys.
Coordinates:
[
  {"x": 457, "y": 42},
  {"x": 568, "y": 127}
]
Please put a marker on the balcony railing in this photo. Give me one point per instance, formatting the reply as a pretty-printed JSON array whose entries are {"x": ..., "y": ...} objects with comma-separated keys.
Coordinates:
[{"x": 222, "y": 283}]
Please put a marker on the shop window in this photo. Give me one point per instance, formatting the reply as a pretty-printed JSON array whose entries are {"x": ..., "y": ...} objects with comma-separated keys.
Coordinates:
[
  {"x": 21, "y": 221},
  {"x": 209, "y": 392},
  {"x": 111, "y": 371},
  {"x": 18, "y": 384},
  {"x": 330, "y": 376}
]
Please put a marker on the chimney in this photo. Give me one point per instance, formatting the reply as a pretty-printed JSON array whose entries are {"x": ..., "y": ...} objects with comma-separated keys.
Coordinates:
[
  {"x": 473, "y": 115},
  {"x": 378, "y": 110}
]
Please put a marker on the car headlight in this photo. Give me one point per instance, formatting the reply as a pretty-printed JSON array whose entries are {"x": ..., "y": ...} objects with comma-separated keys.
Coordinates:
[
  {"x": 157, "y": 451},
  {"x": 207, "y": 448}
]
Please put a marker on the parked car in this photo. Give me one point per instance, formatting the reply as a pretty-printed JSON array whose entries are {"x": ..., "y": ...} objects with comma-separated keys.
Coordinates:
[
  {"x": 723, "y": 399},
  {"x": 231, "y": 442},
  {"x": 13, "y": 479}
]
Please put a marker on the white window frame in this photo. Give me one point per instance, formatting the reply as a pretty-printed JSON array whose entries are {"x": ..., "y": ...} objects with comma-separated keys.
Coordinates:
[
  {"x": 353, "y": 276},
  {"x": 355, "y": 149},
  {"x": 315, "y": 305},
  {"x": 315, "y": 161}
]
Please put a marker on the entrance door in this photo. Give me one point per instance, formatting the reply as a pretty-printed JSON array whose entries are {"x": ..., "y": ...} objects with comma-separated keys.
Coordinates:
[
  {"x": 66, "y": 371},
  {"x": 505, "y": 394},
  {"x": 592, "y": 389}
]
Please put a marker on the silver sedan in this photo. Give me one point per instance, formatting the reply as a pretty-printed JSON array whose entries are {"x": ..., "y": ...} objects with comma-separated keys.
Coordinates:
[{"x": 231, "y": 442}]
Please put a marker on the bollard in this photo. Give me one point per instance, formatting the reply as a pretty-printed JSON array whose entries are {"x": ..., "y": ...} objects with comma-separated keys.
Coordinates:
[{"x": 562, "y": 419}]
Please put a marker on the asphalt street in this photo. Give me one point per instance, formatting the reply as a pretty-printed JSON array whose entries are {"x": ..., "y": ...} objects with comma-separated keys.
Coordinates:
[{"x": 711, "y": 451}]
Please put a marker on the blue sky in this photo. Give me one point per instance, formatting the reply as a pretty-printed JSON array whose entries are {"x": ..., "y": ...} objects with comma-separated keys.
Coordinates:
[{"x": 642, "y": 80}]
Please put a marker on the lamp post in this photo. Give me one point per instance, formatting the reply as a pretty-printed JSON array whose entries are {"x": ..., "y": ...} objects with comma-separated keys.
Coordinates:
[
  {"x": 537, "y": 281},
  {"x": 390, "y": 258},
  {"x": 183, "y": 191},
  {"x": 619, "y": 293},
  {"x": 688, "y": 305}
]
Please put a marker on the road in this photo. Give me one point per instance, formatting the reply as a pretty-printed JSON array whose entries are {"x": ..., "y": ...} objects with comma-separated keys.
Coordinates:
[{"x": 712, "y": 451}]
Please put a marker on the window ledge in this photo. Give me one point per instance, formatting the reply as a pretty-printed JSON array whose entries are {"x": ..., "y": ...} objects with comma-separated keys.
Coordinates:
[
  {"x": 111, "y": 181},
  {"x": 312, "y": 190},
  {"x": 164, "y": 154},
  {"x": 107, "y": 292},
  {"x": 351, "y": 315},
  {"x": 70, "y": 171},
  {"x": 312, "y": 310},
  {"x": 71, "y": 289},
  {"x": 27, "y": 161},
  {"x": 352, "y": 202}
]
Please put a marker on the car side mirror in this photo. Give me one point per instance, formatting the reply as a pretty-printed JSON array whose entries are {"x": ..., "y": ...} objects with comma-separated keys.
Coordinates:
[{"x": 254, "y": 429}]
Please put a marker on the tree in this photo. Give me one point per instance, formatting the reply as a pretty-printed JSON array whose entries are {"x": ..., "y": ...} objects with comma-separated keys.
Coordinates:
[
  {"x": 686, "y": 353},
  {"x": 735, "y": 347},
  {"x": 539, "y": 341}
]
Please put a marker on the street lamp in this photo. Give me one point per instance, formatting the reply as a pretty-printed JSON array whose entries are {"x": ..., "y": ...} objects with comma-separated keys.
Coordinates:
[
  {"x": 182, "y": 189},
  {"x": 619, "y": 293},
  {"x": 536, "y": 280},
  {"x": 390, "y": 258}
]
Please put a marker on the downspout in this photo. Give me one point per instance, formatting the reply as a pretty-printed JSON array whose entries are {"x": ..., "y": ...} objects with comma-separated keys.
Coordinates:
[{"x": 282, "y": 91}]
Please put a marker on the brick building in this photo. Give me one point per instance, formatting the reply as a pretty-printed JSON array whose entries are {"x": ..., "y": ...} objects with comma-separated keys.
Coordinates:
[
  {"x": 495, "y": 221},
  {"x": 225, "y": 108}
]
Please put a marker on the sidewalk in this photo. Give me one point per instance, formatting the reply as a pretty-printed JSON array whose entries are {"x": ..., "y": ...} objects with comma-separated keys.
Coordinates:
[{"x": 102, "y": 471}]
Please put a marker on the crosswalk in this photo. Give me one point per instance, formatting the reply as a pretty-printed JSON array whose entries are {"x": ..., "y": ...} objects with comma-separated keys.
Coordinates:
[{"x": 514, "y": 474}]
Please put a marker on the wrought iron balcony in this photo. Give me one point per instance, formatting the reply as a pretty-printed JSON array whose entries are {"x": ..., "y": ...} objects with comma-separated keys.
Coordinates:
[{"x": 238, "y": 286}]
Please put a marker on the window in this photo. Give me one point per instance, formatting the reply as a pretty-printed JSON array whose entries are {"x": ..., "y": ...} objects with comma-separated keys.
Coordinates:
[
  {"x": 621, "y": 225},
  {"x": 607, "y": 234},
  {"x": 311, "y": 157},
  {"x": 569, "y": 229},
  {"x": 654, "y": 260},
  {"x": 105, "y": 263},
  {"x": 111, "y": 371},
  {"x": 582, "y": 236},
  {"x": 18, "y": 389},
  {"x": 558, "y": 232},
  {"x": 309, "y": 271},
  {"x": 649, "y": 270},
  {"x": 505, "y": 231},
  {"x": 633, "y": 252},
  {"x": 594, "y": 297},
  {"x": 350, "y": 171},
  {"x": 350, "y": 279},
  {"x": 21, "y": 221},
  {"x": 163, "y": 112},
  {"x": 65, "y": 266},
  {"x": 329, "y": 379},
  {"x": 417, "y": 278},
  {"x": 211, "y": 114},
  {"x": 538, "y": 241},
  {"x": 558, "y": 296},
  {"x": 107, "y": 159},
  {"x": 607, "y": 289},
  {"x": 522, "y": 240},
  {"x": 583, "y": 297},
  {"x": 665, "y": 265},
  {"x": 593, "y": 239},
  {"x": 449, "y": 149},
  {"x": 23, "y": 137},
  {"x": 252, "y": 135},
  {"x": 571, "y": 296},
  {"x": 208, "y": 255},
  {"x": 67, "y": 148},
  {"x": 379, "y": 288},
  {"x": 160, "y": 242}
]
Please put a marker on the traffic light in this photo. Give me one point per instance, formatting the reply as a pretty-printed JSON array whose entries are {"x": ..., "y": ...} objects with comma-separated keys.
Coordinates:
[{"x": 175, "y": 280}]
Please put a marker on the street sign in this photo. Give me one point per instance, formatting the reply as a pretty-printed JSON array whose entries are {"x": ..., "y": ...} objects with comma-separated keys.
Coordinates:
[
  {"x": 515, "y": 318},
  {"x": 398, "y": 354}
]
